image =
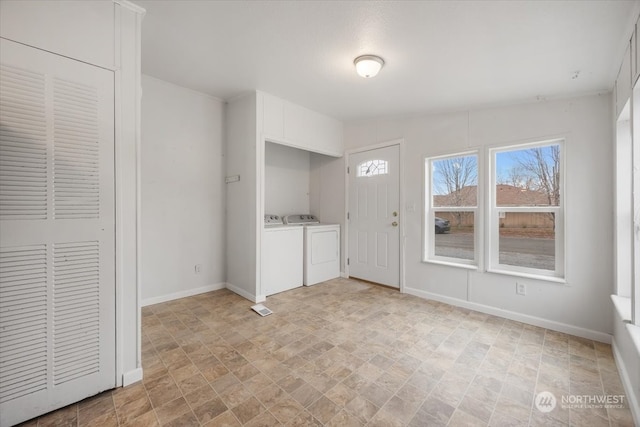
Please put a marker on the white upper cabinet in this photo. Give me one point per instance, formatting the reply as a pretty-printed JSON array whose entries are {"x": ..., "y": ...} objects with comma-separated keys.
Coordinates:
[
  {"x": 296, "y": 126},
  {"x": 635, "y": 68},
  {"x": 54, "y": 26},
  {"x": 273, "y": 126},
  {"x": 623, "y": 82}
]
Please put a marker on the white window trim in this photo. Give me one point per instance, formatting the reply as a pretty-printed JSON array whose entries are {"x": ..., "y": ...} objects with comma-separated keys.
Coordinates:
[
  {"x": 428, "y": 253},
  {"x": 492, "y": 221},
  {"x": 487, "y": 221}
]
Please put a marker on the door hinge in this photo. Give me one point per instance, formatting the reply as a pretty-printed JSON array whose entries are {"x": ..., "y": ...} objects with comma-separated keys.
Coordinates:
[
  {"x": 348, "y": 216},
  {"x": 348, "y": 261},
  {"x": 348, "y": 169}
]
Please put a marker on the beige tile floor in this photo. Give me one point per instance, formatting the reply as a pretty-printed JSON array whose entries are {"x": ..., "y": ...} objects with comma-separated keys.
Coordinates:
[{"x": 348, "y": 353}]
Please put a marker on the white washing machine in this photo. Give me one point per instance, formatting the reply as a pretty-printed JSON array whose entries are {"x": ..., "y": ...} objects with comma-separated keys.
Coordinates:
[
  {"x": 282, "y": 256},
  {"x": 321, "y": 248}
]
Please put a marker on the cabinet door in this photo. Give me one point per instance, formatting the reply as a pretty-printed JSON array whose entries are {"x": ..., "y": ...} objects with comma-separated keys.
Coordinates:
[
  {"x": 57, "y": 234},
  {"x": 311, "y": 131},
  {"x": 282, "y": 262},
  {"x": 273, "y": 113},
  {"x": 55, "y": 26},
  {"x": 297, "y": 125},
  {"x": 623, "y": 82},
  {"x": 635, "y": 69}
]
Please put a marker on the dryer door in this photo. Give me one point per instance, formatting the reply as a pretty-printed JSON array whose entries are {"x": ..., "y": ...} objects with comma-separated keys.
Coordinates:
[{"x": 322, "y": 254}]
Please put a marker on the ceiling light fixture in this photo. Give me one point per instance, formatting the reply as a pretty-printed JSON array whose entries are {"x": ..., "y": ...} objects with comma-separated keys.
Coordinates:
[{"x": 368, "y": 65}]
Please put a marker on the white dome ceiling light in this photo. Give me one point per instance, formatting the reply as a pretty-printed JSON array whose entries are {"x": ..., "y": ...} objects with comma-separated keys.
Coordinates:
[{"x": 368, "y": 65}]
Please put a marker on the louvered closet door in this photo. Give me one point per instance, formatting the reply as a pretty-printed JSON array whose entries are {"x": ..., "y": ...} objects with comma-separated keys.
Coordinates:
[{"x": 57, "y": 262}]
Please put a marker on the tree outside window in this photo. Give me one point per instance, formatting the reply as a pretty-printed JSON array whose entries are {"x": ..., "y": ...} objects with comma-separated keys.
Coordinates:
[
  {"x": 453, "y": 187},
  {"x": 527, "y": 209}
]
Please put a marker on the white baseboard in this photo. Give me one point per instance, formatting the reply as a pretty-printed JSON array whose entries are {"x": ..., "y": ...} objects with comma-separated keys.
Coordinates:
[
  {"x": 131, "y": 377},
  {"x": 512, "y": 315},
  {"x": 627, "y": 383},
  {"x": 244, "y": 294},
  {"x": 183, "y": 294}
]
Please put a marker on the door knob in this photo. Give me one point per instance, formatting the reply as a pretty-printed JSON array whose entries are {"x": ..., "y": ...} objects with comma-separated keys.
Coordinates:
[
  {"x": 394, "y": 213},
  {"x": 394, "y": 223}
]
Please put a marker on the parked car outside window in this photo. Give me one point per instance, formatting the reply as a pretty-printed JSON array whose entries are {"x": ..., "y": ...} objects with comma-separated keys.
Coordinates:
[{"x": 442, "y": 225}]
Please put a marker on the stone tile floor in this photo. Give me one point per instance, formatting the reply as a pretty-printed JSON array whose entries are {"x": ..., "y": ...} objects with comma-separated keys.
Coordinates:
[{"x": 348, "y": 353}]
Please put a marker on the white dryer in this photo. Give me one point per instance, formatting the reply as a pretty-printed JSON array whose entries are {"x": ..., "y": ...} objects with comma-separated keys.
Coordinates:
[{"x": 321, "y": 248}]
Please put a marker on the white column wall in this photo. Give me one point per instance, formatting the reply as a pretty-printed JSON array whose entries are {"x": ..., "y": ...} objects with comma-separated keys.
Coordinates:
[{"x": 241, "y": 154}]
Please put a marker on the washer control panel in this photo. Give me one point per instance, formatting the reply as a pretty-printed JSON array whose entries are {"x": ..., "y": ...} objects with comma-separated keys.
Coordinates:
[
  {"x": 301, "y": 219},
  {"x": 270, "y": 219}
]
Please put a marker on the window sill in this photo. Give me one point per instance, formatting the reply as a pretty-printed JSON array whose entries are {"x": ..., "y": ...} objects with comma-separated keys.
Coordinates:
[
  {"x": 559, "y": 280},
  {"x": 623, "y": 307},
  {"x": 451, "y": 264}
]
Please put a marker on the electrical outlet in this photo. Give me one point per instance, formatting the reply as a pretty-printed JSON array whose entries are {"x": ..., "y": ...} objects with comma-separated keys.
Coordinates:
[
  {"x": 521, "y": 288},
  {"x": 198, "y": 268}
]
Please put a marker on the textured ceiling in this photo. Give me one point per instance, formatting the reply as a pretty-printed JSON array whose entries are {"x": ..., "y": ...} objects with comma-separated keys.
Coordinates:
[{"x": 440, "y": 55}]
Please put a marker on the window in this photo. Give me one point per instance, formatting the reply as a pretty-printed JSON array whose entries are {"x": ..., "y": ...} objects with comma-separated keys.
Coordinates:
[
  {"x": 452, "y": 209},
  {"x": 624, "y": 203},
  {"x": 526, "y": 210},
  {"x": 524, "y": 227},
  {"x": 373, "y": 167},
  {"x": 627, "y": 240}
]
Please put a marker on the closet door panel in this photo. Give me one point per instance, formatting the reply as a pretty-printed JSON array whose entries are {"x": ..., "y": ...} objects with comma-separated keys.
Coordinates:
[{"x": 57, "y": 232}]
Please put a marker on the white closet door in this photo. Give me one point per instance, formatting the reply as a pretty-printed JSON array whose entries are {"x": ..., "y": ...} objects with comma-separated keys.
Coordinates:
[{"x": 57, "y": 228}]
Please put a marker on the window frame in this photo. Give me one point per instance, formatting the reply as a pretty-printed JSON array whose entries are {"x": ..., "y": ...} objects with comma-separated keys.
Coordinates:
[
  {"x": 493, "y": 222},
  {"x": 428, "y": 252}
]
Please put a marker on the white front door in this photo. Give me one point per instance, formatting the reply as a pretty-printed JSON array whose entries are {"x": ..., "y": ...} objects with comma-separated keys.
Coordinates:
[
  {"x": 374, "y": 215},
  {"x": 57, "y": 232}
]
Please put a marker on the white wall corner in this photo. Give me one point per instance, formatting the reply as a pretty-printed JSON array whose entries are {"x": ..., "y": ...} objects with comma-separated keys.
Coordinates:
[
  {"x": 511, "y": 315},
  {"x": 131, "y": 6},
  {"x": 183, "y": 294},
  {"x": 344, "y": 275},
  {"x": 131, "y": 377},
  {"x": 244, "y": 294}
]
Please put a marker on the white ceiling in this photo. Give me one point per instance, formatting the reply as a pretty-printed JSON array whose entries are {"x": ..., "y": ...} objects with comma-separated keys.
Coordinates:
[{"x": 440, "y": 55}]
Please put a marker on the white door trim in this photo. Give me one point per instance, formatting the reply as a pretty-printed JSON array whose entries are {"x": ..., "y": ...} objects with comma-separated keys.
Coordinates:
[
  {"x": 400, "y": 143},
  {"x": 128, "y": 195}
]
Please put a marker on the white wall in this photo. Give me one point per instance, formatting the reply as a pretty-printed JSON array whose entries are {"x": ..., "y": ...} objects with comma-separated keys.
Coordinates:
[
  {"x": 183, "y": 192},
  {"x": 286, "y": 188},
  {"x": 581, "y": 306}
]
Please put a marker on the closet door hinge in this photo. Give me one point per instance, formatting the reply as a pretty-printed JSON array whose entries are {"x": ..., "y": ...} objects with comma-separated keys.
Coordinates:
[{"x": 348, "y": 261}]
